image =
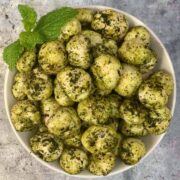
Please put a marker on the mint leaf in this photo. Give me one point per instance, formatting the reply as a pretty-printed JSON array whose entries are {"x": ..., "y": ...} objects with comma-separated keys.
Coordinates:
[
  {"x": 50, "y": 24},
  {"x": 12, "y": 53},
  {"x": 30, "y": 39},
  {"x": 29, "y": 16}
]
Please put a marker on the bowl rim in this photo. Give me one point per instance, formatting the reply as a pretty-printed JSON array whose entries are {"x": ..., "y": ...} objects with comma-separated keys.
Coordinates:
[{"x": 160, "y": 136}]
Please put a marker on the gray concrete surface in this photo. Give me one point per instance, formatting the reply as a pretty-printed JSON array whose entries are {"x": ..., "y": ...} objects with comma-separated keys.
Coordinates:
[{"x": 163, "y": 16}]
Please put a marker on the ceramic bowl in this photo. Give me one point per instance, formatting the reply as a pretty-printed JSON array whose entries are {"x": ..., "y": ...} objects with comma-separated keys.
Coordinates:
[{"x": 151, "y": 142}]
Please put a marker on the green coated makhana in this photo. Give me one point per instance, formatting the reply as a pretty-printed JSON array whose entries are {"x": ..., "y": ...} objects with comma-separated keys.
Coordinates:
[
  {"x": 48, "y": 108},
  {"x": 78, "y": 48},
  {"x": 64, "y": 123},
  {"x": 76, "y": 82},
  {"x": 101, "y": 164},
  {"x": 152, "y": 94},
  {"x": 25, "y": 116},
  {"x": 85, "y": 16},
  {"x": 106, "y": 72},
  {"x": 132, "y": 112},
  {"x": 94, "y": 37},
  {"x": 40, "y": 85},
  {"x": 70, "y": 29},
  {"x": 158, "y": 121},
  {"x": 129, "y": 81},
  {"x": 110, "y": 23},
  {"x": 108, "y": 46},
  {"x": 140, "y": 33},
  {"x": 73, "y": 160},
  {"x": 52, "y": 57},
  {"x": 165, "y": 79},
  {"x": 46, "y": 146},
  {"x": 60, "y": 95},
  {"x": 19, "y": 88},
  {"x": 100, "y": 139},
  {"x": 132, "y": 150},
  {"x": 26, "y": 62},
  {"x": 134, "y": 52},
  {"x": 94, "y": 110}
]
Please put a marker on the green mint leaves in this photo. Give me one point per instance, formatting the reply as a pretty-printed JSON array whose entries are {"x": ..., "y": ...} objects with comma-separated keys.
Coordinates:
[
  {"x": 29, "y": 16},
  {"x": 46, "y": 29},
  {"x": 50, "y": 24},
  {"x": 11, "y": 53}
]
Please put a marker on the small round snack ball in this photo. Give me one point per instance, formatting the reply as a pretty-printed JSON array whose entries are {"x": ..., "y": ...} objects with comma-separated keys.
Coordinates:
[
  {"x": 74, "y": 140},
  {"x": 132, "y": 150},
  {"x": 48, "y": 108},
  {"x": 106, "y": 71},
  {"x": 158, "y": 121},
  {"x": 46, "y": 146},
  {"x": 101, "y": 164},
  {"x": 52, "y": 57},
  {"x": 61, "y": 96},
  {"x": 112, "y": 24},
  {"x": 133, "y": 129},
  {"x": 73, "y": 160},
  {"x": 85, "y": 16},
  {"x": 98, "y": 139},
  {"x": 78, "y": 48},
  {"x": 70, "y": 29},
  {"x": 165, "y": 80},
  {"x": 94, "y": 110},
  {"x": 132, "y": 112},
  {"x": 149, "y": 63},
  {"x": 26, "y": 62},
  {"x": 134, "y": 52},
  {"x": 115, "y": 102},
  {"x": 76, "y": 83},
  {"x": 94, "y": 37},
  {"x": 40, "y": 85},
  {"x": 108, "y": 46},
  {"x": 64, "y": 122},
  {"x": 19, "y": 87},
  {"x": 152, "y": 94},
  {"x": 140, "y": 33},
  {"x": 129, "y": 82},
  {"x": 25, "y": 116}
]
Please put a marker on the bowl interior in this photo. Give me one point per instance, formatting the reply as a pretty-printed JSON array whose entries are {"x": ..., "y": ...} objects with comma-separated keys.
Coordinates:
[{"x": 150, "y": 141}]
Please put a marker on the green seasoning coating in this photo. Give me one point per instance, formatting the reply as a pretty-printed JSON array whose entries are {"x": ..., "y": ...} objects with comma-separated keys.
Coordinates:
[
  {"x": 133, "y": 112},
  {"x": 152, "y": 94},
  {"x": 73, "y": 161},
  {"x": 52, "y": 57},
  {"x": 76, "y": 83},
  {"x": 46, "y": 146},
  {"x": 98, "y": 139},
  {"x": 111, "y": 24},
  {"x": 101, "y": 164},
  {"x": 94, "y": 110},
  {"x": 25, "y": 116},
  {"x": 26, "y": 61},
  {"x": 64, "y": 122},
  {"x": 129, "y": 82},
  {"x": 70, "y": 29},
  {"x": 60, "y": 95},
  {"x": 39, "y": 85},
  {"x": 158, "y": 121},
  {"x": 78, "y": 48},
  {"x": 19, "y": 88},
  {"x": 106, "y": 71},
  {"x": 132, "y": 150},
  {"x": 140, "y": 33}
]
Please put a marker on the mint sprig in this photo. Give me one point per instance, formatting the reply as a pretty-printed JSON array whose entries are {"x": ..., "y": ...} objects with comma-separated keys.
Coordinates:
[{"x": 46, "y": 29}]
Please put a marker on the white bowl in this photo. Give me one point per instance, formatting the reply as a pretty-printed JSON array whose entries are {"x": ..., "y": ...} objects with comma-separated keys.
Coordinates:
[{"x": 150, "y": 141}]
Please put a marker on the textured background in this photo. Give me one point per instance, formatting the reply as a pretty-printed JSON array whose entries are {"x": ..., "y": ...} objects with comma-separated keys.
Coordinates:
[{"x": 163, "y": 16}]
